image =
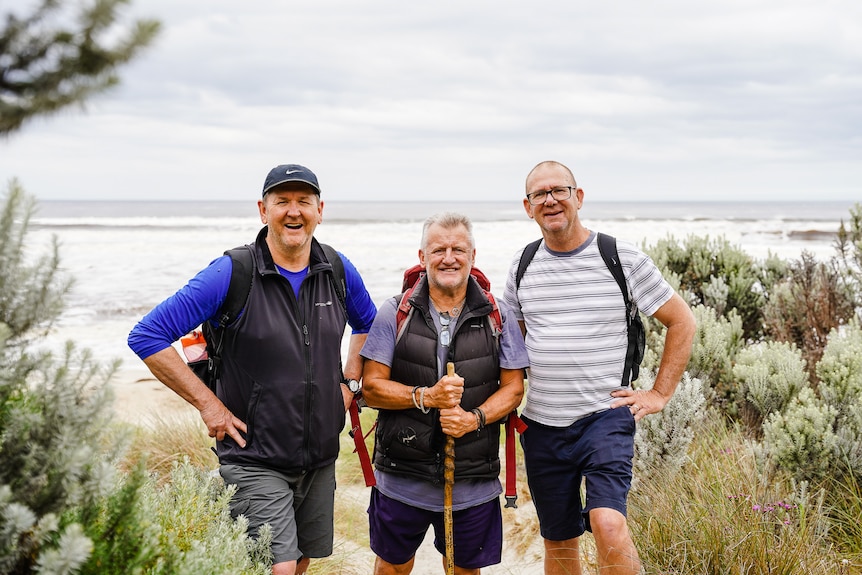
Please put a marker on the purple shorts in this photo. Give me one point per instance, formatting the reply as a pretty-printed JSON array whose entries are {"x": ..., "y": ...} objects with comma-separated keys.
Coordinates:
[
  {"x": 397, "y": 530},
  {"x": 598, "y": 449}
]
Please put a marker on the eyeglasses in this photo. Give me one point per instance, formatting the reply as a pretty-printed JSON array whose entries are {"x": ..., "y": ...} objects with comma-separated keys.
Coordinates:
[
  {"x": 559, "y": 193},
  {"x": 445, "y": 337}
]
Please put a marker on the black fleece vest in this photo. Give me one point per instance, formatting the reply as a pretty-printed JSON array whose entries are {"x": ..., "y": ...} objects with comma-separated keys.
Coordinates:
[
  {"x": 409, "y": 442},
  {"x": 281, "y": 368}
]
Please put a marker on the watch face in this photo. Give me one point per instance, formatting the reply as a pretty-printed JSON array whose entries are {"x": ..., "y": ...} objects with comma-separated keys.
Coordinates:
[{"x": 353, "y": 385}]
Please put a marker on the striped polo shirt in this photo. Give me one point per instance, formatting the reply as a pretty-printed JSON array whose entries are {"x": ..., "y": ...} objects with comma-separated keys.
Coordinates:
[{"x": 576, "y": 326}]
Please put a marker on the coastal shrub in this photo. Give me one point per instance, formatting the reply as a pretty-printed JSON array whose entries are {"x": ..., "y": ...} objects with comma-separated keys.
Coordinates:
[
  {"x": 716, "y": 342},
  {"x": 769, "y": 375},
  {"x": 196, "y": 533},
  {"x": 848, "y": 244},
  {"x": 54, "y": 458},
  {"x": 840, "y": 374},
  {"x": 801, "y": 440},
  {"x": 805, "y": 306},
  {"x": 662, "y": 439},
  {"x": 720, "y": 275},
  {"x": 122, "y": 535},
  {"x": 31, "y": 292},
  {"x": 840, "y": 368}
]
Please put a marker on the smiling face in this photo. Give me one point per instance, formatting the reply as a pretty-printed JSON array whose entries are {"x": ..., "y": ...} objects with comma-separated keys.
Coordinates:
[
  {"x": 557, "y": 218},
  {"x": 447, "y": 257},
  {"x": 292, "y": 212}
]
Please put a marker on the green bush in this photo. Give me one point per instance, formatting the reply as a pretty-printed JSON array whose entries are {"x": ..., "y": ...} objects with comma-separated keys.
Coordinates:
[
  {"x": 848, "y": 244},
  {"x": 663, "y": 439},
  {"x": 801, "y": 439},
  {"x": 769, "y": 375},
  {"x": 716, "y": 342},
  {"x": 721, "y": 276},
  {"x": 840, "y": 374}
]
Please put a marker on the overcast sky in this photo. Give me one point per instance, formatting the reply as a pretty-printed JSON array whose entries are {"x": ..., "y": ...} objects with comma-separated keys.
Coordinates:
[{"x": 457, "y": 100}]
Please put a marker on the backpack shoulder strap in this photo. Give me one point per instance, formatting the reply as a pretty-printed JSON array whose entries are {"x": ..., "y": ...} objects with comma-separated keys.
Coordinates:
[
  {"x": 241, "y": 277},
  {"x": 608, "y": 249},
  {"x": 403, "y": 312},
  {"x": 634, "y": 352},
  {"x": 240, "y": 284},
  {"x": 495, "y": 316},
  {"x": 526, "y": 257},
  {"x": 337, "y": 273}
]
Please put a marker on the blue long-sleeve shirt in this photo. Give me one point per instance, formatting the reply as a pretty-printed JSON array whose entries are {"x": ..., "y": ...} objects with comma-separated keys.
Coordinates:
[{"x": 200, "y": 299}]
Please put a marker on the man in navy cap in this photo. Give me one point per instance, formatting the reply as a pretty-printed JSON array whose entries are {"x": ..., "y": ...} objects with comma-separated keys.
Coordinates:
[{"x": 278, "y": 405}]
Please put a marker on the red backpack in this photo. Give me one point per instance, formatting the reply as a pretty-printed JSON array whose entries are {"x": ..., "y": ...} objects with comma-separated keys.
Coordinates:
[{"x": 408, "y": 286}]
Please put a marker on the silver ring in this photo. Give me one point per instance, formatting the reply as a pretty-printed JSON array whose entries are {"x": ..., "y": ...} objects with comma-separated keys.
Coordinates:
[{"x": 636, "y": 407}]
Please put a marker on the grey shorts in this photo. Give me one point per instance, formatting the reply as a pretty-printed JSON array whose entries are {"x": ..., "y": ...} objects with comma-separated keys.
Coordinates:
[{"x": 299, "y": 508}]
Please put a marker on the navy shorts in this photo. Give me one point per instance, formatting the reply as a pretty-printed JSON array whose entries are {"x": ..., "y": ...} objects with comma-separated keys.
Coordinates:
[
  {"x": 397, "y": 530},
  {"x": 598, "y": 449}
]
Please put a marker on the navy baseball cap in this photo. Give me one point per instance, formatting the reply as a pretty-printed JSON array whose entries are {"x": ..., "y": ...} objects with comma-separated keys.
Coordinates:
[{"x": 290, "y": 173}]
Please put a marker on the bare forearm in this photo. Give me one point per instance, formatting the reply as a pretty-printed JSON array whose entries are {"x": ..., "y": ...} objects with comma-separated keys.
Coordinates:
[
  {"x": 681, "y": 328},
  {"x": 169, "y": 368},
  {"x": 506, "y": 398},
  {"x": 353, "y": 363}
]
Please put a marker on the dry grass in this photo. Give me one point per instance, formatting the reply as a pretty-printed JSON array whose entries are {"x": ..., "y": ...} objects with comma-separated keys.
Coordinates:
[{"x": 718, "y": 516}]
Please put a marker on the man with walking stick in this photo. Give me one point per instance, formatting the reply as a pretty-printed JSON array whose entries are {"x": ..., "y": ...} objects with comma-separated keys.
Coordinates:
[{"x": 446, "y": 318}]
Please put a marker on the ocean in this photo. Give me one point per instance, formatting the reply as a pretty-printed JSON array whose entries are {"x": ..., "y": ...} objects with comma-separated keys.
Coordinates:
[{"x": 126, "y": 257}]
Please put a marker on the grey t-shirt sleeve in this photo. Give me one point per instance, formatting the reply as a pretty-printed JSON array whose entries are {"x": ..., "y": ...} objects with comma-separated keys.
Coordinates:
[
  {"x": 380, "y": 344},
  {"x": 513, "y": 352}
]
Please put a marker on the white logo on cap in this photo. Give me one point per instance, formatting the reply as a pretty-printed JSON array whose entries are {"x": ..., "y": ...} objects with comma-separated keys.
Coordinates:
[{"x": 287, "y": 173}]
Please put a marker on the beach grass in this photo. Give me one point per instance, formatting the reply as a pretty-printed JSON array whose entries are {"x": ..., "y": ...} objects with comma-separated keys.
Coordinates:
[{"x": 718, "y": 515}]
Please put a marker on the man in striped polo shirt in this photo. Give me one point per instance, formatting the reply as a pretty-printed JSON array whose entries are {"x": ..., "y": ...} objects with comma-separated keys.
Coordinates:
[{"x": 581, "y": 419}]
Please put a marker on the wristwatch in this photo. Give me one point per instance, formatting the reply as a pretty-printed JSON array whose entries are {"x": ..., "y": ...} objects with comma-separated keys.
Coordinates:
[{"x": 353, "y": 385}]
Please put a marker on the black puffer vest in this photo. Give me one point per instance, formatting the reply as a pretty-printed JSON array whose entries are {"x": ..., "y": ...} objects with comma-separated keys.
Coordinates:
[
  {"x": 281, "y": 368},
  {"x": 409, "y": 442}
]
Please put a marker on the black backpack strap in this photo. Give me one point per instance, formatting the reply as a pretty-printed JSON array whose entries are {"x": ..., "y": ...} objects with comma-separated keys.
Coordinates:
[
  {"x": 240, "y": 284},
  {"x": 526, "y": 257},
  {"x": 608, "y": 250},
  {"x": 338, "y": 278},
  {"x": 241, "y": 277}
]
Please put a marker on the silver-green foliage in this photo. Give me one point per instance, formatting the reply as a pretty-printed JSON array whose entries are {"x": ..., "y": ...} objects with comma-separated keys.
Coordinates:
[
  {"x": 840, "y": 375},
  {"x": 662, "y": 439},
  {"x": 801, "y": 439},
  {"x": 720, "y": 275},
  {"x": 768, "y": 376},
  {"x": 716, "y": 342},
  {"x": 196, "y": 531},
  {"x": 840, "y": 368},
  {"x": 848, "y": 244},
  {"x": 54, "y": 456}
]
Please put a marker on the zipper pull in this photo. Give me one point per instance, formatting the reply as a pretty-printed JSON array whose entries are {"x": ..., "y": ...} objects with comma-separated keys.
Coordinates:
[{"x": 305, "y": 332}]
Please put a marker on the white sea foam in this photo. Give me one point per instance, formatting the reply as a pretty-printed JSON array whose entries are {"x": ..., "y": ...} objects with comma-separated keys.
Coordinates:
[{"x": 126, "y": 258}]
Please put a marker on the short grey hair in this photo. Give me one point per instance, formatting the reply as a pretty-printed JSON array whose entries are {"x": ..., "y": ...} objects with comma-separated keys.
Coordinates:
[{"x": 447, "y": 220}]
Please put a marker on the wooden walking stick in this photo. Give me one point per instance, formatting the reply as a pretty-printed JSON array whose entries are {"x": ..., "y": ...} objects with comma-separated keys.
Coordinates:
[{"x": 448, "y": 483}]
